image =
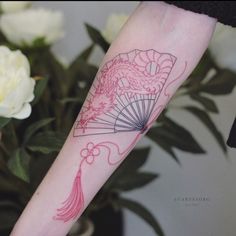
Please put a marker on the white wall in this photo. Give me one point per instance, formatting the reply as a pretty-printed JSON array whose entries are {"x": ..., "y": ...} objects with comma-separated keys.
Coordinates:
[{"x": 210, "y": 175}]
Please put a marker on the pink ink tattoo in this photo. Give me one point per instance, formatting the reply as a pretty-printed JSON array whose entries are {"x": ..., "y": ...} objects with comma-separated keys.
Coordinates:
[
  {"x": 125, "y": 94},
  {"x": 124, "y": 98},
  {"x": 74, "y": 203},
  {"x": 167, "y": 92}
]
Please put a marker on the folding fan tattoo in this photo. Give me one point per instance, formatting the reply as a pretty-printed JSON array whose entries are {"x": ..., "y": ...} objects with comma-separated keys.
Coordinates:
[{"x": 124, "y": 98}]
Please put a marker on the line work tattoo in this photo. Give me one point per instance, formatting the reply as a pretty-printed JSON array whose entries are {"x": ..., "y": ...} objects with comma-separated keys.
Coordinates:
[
  {"x": 126, "y": 92},
  {"x": 123, "y": 98}
]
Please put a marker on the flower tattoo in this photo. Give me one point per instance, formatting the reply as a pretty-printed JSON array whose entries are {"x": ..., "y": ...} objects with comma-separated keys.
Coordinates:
[{"x": 90, "y": 152}]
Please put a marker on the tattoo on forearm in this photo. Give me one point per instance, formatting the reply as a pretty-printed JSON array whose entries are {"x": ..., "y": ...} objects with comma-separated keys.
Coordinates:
[{"x": 123, "y": 98}]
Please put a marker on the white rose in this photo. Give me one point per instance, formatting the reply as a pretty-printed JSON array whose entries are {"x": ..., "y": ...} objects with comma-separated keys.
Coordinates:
[
  {"x": 113, "y": 26},
  {"x": 24, "y": 27},
  {"x": 16, "y": 85},
  {"x": 223, "y": 46},
  {"x": 13, "y": 6}
]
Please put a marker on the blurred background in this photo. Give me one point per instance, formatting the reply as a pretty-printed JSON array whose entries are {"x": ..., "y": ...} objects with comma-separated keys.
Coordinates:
[{"x": 197, "y": 196}]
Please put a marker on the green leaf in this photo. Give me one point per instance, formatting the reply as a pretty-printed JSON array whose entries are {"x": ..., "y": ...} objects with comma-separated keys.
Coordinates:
[
  {"x": 57, "y": 68},
  {"x": 86, "y": 53},
  {"x": 84, "y": 70},
  {"x": 9, "y": 204},
  {"x": 30, "y": 131},
  {"x": 80, "y": 68},
  {"x": 175, "y": 136},
  {"x": 136, "y": 159},
  {"x": 168, "y": 148},
  {"x": 206, "y": 102},
  {"x": 6, "y": 185},
  {"x": 4, "y": 121},
  {"x": 134, "y": 180},
  {"x": 3, "y": 39},
  {"x": 201, "y": 70},
  {"x": 39, "y": 42},
  {"x": 57, "y": 75},
  {"x": 8, "y": 218},
  {"x": 39, "y": 89},
  {"x": 12, "y": 187},
  {"x": 220, "y": 84},
  {"x": 47, "y": 142},
  {"x": 81, "y": 71},
  {"x": 68, "y": 100},
  {"x": 19, "y": 164},
  {"x": 96, "y": 37},
  {"x": 199, "y": 73},
  {"x": 141, "y": 211},
  {"x": 206, "y": 120},
  {"x": 9, "y": 183},
  {"x": 132, "y": 163}
]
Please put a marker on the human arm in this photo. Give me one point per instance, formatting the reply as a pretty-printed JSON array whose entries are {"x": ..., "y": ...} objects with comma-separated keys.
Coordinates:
[{"x": 152, "y": 56}]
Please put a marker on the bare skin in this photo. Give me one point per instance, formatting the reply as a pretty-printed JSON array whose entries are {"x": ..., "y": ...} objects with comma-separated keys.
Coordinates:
[{"x": 154, "y": 53}]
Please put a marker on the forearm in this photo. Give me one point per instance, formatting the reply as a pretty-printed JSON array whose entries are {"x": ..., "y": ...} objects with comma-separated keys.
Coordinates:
[{"x": 154, "y": 53}]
